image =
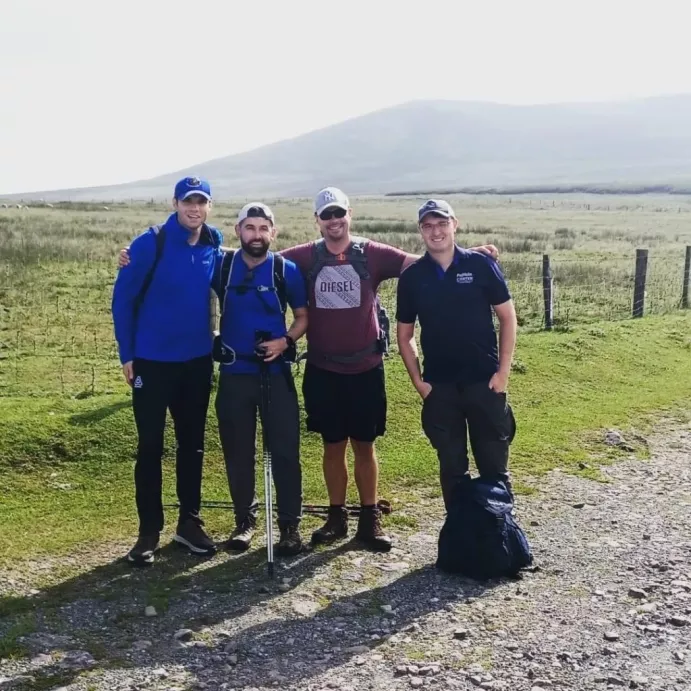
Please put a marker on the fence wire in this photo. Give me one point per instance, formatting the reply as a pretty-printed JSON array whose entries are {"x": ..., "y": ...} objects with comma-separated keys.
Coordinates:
[{"x": 56, "y": 333}]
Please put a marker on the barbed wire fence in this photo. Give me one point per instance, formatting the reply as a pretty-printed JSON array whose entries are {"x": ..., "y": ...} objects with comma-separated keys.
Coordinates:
[{"x": 56, "y": 337}]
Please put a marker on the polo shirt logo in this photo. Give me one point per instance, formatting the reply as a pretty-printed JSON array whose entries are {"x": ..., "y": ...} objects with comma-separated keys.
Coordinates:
[{"x": 464, "y": 278}]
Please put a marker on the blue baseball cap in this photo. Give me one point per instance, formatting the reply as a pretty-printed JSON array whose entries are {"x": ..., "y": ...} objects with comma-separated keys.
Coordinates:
[
  {"x": 435, "y": 206},
  {"x": 192, "y": 185}
]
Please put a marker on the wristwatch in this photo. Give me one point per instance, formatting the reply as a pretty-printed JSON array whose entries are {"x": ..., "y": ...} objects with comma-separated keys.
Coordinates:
[{"x": 289, "y": 341}]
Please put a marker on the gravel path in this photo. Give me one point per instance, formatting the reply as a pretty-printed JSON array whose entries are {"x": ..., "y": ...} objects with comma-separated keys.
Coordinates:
[{"x": 608, "y": 605}]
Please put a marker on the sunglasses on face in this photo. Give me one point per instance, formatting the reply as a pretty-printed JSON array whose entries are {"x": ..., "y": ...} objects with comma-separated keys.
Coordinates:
[{"x": 335, "y": 212}]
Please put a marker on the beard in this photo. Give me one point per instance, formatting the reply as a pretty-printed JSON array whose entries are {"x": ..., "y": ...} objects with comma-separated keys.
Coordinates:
[{"x": 257, "y": 249}]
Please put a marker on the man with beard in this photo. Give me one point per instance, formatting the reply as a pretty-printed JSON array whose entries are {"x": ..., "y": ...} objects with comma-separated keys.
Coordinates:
[
  {"x": 160, "y": 313},
  {"x": 254, "y": 286}
]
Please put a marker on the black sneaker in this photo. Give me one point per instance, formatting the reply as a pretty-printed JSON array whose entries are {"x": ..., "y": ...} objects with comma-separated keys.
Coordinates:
[
  {"x": 241, "y": 538},
  {"x": 369, "y": 530},
  {"x": 290, "y": 542},
  {"x": 335, "y": 528},
  {"x": 190, "y": 533},
  {"x": 142, "y": 554}
]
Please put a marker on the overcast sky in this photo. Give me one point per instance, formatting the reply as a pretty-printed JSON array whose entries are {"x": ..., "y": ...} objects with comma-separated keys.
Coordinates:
[{"x": 102, "y": 92}]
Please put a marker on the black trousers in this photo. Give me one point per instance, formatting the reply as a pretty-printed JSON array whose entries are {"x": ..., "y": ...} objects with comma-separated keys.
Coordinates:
[
  {"x": 237, "y": 402},
  {"x": 183, "y": 388},
  {"x": 451, "y": 413}
]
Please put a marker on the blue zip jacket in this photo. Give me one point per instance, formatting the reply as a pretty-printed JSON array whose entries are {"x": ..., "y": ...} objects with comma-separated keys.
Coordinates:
[{"x": 173, "y": 321}]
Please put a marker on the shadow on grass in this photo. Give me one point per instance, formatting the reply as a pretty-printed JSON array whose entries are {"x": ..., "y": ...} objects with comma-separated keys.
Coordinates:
[{"x": 99, "y": 414}]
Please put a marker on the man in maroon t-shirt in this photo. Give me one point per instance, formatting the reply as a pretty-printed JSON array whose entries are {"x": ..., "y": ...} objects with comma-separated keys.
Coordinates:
[{"x": 343, "y": 385}]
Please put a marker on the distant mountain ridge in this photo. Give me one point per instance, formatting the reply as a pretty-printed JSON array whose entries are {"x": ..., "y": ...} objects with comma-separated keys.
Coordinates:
[{"x": 424, "y": 145}]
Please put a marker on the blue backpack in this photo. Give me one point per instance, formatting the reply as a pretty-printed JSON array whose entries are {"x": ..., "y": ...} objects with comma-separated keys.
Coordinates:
[{"x": 480, "y": 538}]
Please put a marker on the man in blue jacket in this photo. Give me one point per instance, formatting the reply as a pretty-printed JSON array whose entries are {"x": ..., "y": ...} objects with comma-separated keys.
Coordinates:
[
  {"x": 162, "y": 326},
  {"x": 255, "y": 286}
]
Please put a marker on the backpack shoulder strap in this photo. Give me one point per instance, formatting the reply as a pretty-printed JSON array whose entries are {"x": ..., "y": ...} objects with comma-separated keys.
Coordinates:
[
  {"x": 357, "y": 256},
  {"x": 320, "y": 257},
  {"x": 159, "y": 238},
  {"x": 280, "y": 281},
  {"x": 226, "y": 266}
]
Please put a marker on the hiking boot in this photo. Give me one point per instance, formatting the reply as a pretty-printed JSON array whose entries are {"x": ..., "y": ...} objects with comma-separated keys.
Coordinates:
[
  {"x": 369, "y": 530},
  {"x": 190, "y": 533},
  {"x": 290, "y": 542},
  {"x": 142, "y": 554},
  {"x": 335, "y": 528},
  {"x": 241, "y": 538}
]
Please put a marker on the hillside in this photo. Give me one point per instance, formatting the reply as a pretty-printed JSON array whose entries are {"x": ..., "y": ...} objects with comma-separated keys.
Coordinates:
[{"x": 448, "y": 144}]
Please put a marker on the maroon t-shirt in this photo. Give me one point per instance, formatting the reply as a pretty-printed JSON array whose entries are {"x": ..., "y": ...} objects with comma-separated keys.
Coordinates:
[{"x": 342, "y": 314}]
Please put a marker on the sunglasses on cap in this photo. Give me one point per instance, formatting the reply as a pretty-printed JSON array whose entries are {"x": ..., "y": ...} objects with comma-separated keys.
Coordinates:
[{"x": 332, "y": 212}]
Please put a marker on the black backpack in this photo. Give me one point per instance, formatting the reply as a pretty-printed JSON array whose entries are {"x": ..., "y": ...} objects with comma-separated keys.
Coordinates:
[
  {"x": 480, "y": 538},
  {"x": 357, "y": 257}
]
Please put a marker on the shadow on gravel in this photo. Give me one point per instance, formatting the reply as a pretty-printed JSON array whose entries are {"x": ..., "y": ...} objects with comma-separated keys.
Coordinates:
[{"x": 348, "y": 627}]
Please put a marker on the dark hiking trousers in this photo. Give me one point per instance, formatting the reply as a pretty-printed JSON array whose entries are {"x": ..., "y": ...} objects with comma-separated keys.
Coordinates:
[
  {"x": 237, "y": 402},
  {"x": 184, "y": 389},
  {"x": 452, "y": 412}
]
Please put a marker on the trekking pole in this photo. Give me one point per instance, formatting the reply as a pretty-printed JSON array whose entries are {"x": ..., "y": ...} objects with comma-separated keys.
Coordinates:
[{"x": 265, "y": 400}]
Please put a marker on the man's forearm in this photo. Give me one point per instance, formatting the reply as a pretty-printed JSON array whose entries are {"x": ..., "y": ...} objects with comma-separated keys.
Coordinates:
[
  {"x": 298, "y": 327},
  {"x": 411, "y": 360},
  {"x": 507, "y": 342}
]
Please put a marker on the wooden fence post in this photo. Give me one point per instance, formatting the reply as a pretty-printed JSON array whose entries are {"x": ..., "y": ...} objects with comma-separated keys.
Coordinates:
[
  {"x": 687, "y": 278},
  {"x": 639, "y": 282},
  {"x": 547, "y": 291}
]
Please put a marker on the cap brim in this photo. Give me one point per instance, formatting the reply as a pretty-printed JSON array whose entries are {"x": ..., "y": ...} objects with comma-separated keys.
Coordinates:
[
  {"x": 199, "y": 192},
  {"x": 436, "y": 212},
  {"x": 338, "y": 205}
]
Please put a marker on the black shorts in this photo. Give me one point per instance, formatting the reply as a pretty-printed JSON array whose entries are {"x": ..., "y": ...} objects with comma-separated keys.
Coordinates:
[{"x": 342, "y": 406}]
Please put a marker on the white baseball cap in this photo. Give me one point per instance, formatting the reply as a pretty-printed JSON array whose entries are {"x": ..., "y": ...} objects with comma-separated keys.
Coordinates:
[{"x": 256, "y": 210}]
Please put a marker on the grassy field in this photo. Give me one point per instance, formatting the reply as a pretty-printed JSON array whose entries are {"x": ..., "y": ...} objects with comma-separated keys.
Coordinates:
[{"x": 67, "y": 441}]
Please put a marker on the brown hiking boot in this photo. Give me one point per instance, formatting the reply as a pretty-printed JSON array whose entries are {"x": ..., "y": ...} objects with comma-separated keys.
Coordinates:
[
  {"x": 335, "y": 528},
  {"x": 241, "y": 538},
  {"x": 369, "y": 529},
  {"x": 290, "y": 542}
]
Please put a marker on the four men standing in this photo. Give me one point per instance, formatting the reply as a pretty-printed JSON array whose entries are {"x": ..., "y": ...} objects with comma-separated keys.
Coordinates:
[{"x": 343, "y": 386}]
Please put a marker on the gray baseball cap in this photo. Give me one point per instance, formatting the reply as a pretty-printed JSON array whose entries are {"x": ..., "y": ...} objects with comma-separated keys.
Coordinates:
[
  {"x": 435, "y": 206},
  {"x": 330, "y": 196}
]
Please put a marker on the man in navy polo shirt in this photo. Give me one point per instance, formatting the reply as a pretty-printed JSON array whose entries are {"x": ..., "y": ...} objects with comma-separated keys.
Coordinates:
[
  {"x": 452, "y": 291},
  {"x": 254, "y": 286},
  {"x": 160, "y": 313}
]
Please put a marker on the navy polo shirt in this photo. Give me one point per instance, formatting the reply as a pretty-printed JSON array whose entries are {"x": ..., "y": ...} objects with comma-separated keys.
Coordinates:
[
  {"x": 249, "y": 310},
  {"x": 454, "y": 307}
]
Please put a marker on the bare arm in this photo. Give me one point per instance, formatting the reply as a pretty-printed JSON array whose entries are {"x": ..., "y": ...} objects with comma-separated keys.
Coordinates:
[
  {"x": 299, "y": 326},
  {"x": 407, "y": 347},
  {"x": 489, "y": 250},
  {"x": 508, "y": 326}
]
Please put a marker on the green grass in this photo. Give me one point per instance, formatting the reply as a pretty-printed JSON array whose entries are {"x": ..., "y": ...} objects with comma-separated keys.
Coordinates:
[{"x": 66, "y": 464}]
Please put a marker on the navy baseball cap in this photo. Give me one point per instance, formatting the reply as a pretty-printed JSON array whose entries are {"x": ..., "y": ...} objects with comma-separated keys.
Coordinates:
[
  {"x": 435, "y": 206},
  {"x": 192, "y": 185}
]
